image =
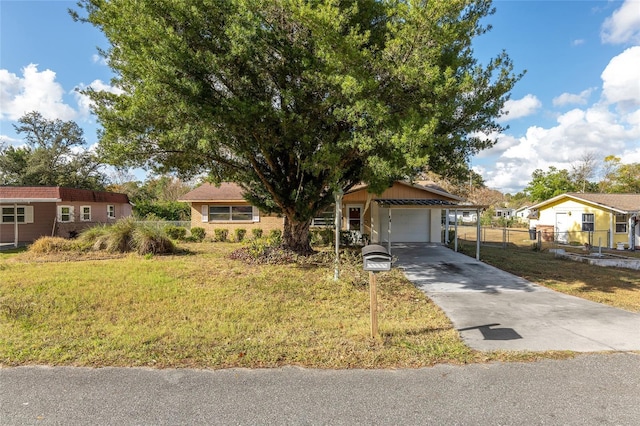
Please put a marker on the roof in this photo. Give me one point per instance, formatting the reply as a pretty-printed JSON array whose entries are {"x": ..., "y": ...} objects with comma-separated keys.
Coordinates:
[
  {"x": 424, "y": 186},
  {"x": 226, "y": 191},
  {"x": 624, "y": 203},
  {"x": 58, "y": 194},
  {"x": 417, "y": 202}
]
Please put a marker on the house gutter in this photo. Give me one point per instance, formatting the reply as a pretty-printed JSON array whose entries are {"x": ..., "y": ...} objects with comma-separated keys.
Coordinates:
[{"x": 29, "y": 200}]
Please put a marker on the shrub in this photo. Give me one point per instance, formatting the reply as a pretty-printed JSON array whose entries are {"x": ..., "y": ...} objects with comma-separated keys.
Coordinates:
[
  {"x": 120, "y": 236},
  {"x": 175, "y": 232},
  {"x": 257, "y": 233},
  {"x": 275, "y": 237},
  {"x": 239, "y": 234},
  {"x": 221, "y": 234},
  {"x": 46, "y": 245},
  {"x": 148, "y": 240},
  {"x": 198, "y": 234}
]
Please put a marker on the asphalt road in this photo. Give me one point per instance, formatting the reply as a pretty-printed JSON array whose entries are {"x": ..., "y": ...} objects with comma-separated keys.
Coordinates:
[{"x": 595, "y": 389}]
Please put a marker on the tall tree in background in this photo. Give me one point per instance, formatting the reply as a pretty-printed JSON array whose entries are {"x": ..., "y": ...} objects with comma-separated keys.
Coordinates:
[
  {"x": 54, "y": 156},
  {"x": 583, "y": 171},
  {"x": 296, "y": 99},
  {"x": 545, "y": 185},
  {"x": 620, "y": 178}
]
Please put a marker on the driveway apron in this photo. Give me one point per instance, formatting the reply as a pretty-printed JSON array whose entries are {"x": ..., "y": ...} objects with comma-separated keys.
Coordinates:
[{"x": 495, "y": 310}]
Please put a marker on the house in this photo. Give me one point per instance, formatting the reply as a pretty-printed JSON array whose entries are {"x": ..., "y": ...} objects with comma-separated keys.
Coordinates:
[
  {"x": 29, "y": 213},
  {"x": 522, "y": 214},
  {"x": 504, "y": 212},
  {"x": 462, "y": 215},
  {"x": 607, "y": 220},
  {"x": 414, "y": 210}
]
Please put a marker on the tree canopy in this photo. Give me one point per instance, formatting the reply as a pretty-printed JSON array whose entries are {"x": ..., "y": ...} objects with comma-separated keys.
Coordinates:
[
  {"x": 296, "y": 99},
  {"x": 54, "y": 155}
]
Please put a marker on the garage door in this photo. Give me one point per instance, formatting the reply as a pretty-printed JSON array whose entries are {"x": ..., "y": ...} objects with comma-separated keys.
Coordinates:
[{"x": 407, "y": 225}]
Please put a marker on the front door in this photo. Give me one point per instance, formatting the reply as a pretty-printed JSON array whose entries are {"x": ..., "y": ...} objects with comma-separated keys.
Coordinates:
[
  {"x": 354, "y": 218},
  {"x": 562, "y": 227}
]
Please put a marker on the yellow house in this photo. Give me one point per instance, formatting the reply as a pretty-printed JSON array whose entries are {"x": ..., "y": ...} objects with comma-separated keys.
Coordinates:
[{"x": 607, "y": 220}]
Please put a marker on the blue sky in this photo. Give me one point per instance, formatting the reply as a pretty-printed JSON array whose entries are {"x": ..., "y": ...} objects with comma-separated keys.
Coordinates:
[{"x": 580, "y": 95}]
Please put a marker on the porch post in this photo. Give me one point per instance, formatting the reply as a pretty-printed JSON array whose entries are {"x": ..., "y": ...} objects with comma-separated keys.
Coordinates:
[
  {"x": 446, "y": 226},
  {"x": 478, "y": 234},
  {"x": 455, "y": 236},
  {"x": 389, "y": 232}
]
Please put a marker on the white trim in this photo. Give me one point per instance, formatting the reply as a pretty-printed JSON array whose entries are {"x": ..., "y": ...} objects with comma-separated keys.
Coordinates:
[
  {"x": 82, "y": 219},
  {"x": 205, "y": 213},
  {"x": 109, "y": 215},
  {"x": 255, "y": 213},
  {"x": 71, "y": 214},
  {"x": 30, "y": 200},
  {"x": 355, "y": 206}
]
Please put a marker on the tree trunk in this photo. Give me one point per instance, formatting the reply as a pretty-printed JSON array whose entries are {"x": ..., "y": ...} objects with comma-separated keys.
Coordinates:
[{"x": 296, "y": 236}]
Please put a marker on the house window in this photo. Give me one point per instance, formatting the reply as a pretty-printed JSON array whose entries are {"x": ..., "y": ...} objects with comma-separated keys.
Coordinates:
[
  {"x": 111, "y": 211},
  {"x": 588, "y": 221},
  {"x": 85, "y": 213},
  {"x": 65, "y": 213},
  {"x": 621, "y": 223},
  {"x": 8, "y": 215},
  {"x": 230, "y": 213}
]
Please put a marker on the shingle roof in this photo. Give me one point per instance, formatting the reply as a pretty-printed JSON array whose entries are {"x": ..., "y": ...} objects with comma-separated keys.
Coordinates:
[
  {"x": 65, "y": 194},
  {"x": 207, "y": 192},
  {"x": 412, "y": 202},
  {"x": 625, "y": 202}
]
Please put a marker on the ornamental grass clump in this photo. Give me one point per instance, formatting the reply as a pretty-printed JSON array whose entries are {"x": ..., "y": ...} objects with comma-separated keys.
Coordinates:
[{"x": 149, "y": 240}]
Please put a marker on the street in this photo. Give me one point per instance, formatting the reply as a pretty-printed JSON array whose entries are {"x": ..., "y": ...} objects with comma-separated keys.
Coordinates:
[{"x": 587, "y": 390}]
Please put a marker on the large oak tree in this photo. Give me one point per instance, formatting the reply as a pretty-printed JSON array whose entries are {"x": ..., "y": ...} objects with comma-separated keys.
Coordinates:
[{"x": 295, "y": 99}]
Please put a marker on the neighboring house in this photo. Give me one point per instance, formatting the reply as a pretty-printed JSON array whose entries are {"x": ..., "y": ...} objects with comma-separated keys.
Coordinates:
[
  {"x": 29, "y": 213},
  {"x": 596, "y": 219},
  {"x": 522, "y": 214},
  {"x": 415, "y": 211},
  {"x": 463, "y": 216},
  {"x": 503, "y": 212}
]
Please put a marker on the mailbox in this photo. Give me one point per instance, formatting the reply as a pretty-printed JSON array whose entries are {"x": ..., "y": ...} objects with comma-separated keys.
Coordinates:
[{"x": 376, "y": 258}]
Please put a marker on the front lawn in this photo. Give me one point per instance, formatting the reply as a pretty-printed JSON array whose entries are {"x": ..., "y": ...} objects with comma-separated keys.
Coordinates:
[{"x": 205, "y": 310}]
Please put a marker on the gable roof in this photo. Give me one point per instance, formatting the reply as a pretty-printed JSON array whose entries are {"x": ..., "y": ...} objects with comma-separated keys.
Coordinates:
[
  {"x": 622, "y": 203},
  {"x": 34, "y": 194},
  {"x": 227, "y": 191},
  {"x": 427, "y": 187}
]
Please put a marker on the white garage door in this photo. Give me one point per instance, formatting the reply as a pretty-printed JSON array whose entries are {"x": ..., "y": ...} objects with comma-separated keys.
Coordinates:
[{"x": 407, "y": 225}]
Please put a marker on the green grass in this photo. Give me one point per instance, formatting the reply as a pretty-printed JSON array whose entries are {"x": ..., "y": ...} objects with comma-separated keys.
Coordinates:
[
  {"x": 205, "y": 310},
  {"x": 617, "y": 287}
]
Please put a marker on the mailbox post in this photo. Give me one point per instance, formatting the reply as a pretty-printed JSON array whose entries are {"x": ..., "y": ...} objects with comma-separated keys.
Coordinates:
[{"x": 375, "y": 258}]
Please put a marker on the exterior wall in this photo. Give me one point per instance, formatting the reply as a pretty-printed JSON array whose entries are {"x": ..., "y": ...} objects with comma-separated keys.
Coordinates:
[
  {"x": 604, "y": 223},
  {"x": 43, "y": 221},
  {"x": 265, "y": 222},
  {"x": 98, "y": 216},
  {"x": 397, "y": 191}
]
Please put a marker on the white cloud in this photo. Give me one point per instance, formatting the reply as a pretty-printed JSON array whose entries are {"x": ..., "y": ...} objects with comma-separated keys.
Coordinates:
[
  {"x": 520, "y": 108},
  {"x": 571, "y": 98},
  {"x": 97, "y": 59},
  {"x": 84, "y": 102},
  {"x": 623, "y": 25},
  {"x": 621, "y": 79},
  {"x": 577, "y": 42},
  {"x": 34, "y": 91}
]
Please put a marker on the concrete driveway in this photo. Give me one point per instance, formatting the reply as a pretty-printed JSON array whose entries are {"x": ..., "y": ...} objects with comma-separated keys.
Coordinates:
[{"x": 495, "y": 310}]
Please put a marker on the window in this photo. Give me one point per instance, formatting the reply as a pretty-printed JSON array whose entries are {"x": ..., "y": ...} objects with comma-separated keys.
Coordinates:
[
  {"x": 85, "y": 213},
  {"x": 111, "y": 211},
  {"x": 8, "y": 214},
  {"x": 621, "y": 223},
  {"x": 65, "y": 214},
  {"x": 588, "y": 222},
  {"x": 229, "y": 213}
]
